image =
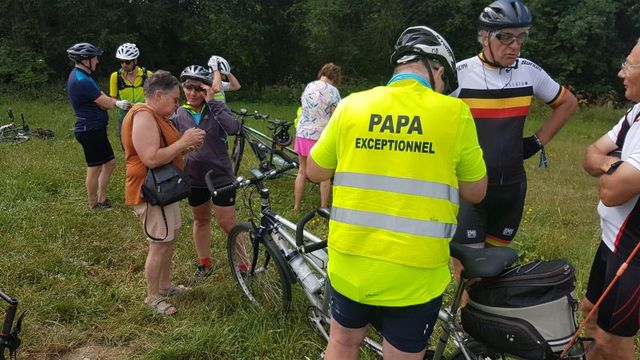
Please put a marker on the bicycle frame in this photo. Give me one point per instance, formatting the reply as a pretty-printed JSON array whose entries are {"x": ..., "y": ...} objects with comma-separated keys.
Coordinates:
[
  {"x": 282, "y": 230},
  {"x": 7, "y": 127},
  {"x": 448, "y": 316},
  {"x": 12, "y": 120},
  {"x": 266, "y": 139},
  {"x": 12, "y": 133},
  {"x": 265, "y": 148},
  {"x": 451, "y": 327},
  {"x": 9, "y": 335},
  {"x": 313, "y": 253}
]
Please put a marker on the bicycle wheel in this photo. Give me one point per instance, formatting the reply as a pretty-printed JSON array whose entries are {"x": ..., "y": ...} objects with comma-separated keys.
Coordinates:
[
  {"x": 14, "y": 138},
  {"x": 259, "y": 268},
  {"x": 41, "y": 133},
  {"x": 236, "y": 155}
]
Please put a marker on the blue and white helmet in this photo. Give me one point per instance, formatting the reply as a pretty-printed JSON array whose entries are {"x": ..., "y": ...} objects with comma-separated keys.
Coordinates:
[
  {"x": 83, "y": 51},
  {"x": 503, "y": 14}
]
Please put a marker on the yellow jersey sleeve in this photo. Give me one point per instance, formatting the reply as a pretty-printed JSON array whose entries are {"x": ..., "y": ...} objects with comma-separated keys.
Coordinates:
[
  {"x": 113, "y": 85},
  {"x": 470, "y": 166}
]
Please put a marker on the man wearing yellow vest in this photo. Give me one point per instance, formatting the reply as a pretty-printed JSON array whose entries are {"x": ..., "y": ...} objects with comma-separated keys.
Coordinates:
[
  {"x": 127, "y": 83},
  {"x": 402, "y": 155}
]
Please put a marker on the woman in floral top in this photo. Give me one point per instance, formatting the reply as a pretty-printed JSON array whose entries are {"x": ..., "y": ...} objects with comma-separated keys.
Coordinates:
[{"x": 319, "y": 99}]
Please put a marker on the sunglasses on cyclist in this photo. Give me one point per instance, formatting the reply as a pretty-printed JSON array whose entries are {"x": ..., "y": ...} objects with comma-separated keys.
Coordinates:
[
  {"x": 506, "y": 38},
  {"x": 126, "y": 62}
]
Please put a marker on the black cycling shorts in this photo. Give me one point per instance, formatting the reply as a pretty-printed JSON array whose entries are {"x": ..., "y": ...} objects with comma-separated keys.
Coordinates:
[
  {"x": 619, "y": 312},
  {"x": 96, "y": 146},
  {"x": 407, "y": 328},
  {"x": 200, "y": 196},
  {"x": 495, "y": 220}
]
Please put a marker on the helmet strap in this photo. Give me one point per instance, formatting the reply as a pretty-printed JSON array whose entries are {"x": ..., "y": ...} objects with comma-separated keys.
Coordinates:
[
  {"x": 81, "y": 63},
  {"x": 427, "y": 65}
]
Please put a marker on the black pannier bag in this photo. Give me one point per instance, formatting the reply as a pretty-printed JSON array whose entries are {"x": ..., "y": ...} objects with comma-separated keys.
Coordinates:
[{"x": 527, "y": 311}]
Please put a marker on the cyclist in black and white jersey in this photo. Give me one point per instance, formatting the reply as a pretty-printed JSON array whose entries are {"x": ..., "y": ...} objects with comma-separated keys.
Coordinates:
[
  {"x": 615, "y": 160},
  {"x": 499, "y": 87}
]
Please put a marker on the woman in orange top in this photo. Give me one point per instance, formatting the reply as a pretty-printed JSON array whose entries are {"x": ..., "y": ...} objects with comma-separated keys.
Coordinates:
[{"x": 150, "y": 140}]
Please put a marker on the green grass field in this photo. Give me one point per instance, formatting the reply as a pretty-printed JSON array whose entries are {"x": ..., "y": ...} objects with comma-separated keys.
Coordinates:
[{"x": 80, "y": 273}]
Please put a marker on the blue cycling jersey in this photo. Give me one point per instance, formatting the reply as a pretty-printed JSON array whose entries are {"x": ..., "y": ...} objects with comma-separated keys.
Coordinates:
[{"x": 83, "y": 91}]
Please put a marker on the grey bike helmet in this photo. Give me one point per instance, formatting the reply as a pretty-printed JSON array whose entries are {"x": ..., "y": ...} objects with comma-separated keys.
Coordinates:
[
  {"x": 196, "y": 72},
  {"x": 127, "y": 51},
  {"x": 83, "y": 51},
  {"x": 503, "y": 14},
  {"x": 421, "y": 42}
]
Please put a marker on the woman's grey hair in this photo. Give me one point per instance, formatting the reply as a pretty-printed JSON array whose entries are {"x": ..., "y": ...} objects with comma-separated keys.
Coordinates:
[
  {"x": 479, "y": 38},
  {"x": 160, "y": 80}
]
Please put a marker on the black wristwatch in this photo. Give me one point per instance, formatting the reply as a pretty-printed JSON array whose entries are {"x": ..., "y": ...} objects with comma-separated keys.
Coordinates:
[{"x": 614, "y": 166}]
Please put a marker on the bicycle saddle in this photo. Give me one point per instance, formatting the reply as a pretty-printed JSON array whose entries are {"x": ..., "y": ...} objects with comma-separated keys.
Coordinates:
[{"x": 484, "y": 262}]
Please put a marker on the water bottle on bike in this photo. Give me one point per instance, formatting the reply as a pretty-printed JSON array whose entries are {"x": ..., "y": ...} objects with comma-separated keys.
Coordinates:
[{"x": 299, "y": 266}]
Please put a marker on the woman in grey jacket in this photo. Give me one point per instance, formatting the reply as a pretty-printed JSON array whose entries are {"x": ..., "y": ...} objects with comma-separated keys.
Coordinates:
[{"x": 216, "y": 119}]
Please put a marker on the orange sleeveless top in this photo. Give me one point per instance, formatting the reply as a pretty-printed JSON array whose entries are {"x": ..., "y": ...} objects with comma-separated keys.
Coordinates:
[{"x": 136, "y": 171}]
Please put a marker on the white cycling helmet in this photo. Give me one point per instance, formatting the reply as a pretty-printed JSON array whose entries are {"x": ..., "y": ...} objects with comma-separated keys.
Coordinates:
[
  {"x": 127, "y": 51},
  {"x": 219, "y": 63}
]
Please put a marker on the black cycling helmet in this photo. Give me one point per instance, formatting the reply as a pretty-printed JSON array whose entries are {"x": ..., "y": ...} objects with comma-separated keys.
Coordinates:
[
  {"x": 196, "y": 72},
  {"x": 83, "y": 51},
  {"x": 503, "y": 14},
  {"x": 421, "y": 43}
]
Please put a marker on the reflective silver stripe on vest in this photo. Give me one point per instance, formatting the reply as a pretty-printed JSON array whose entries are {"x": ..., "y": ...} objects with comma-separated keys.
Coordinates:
[
  {"x": 397, "y": 185},
  {"x": 393, "y": 223}
]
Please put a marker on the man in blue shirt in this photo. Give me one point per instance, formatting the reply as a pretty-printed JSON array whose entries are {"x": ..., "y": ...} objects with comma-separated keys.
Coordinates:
[{"x": 90, "y": 105}]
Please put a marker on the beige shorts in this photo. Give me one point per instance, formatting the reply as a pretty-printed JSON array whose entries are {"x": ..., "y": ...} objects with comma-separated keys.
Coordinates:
[{"x": 155, "y": 224}]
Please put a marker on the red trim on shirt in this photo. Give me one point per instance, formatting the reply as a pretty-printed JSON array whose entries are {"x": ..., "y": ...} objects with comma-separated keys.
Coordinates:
[
  {"x": 519, "y": 111},
  {"x": 621, "y": 231}
]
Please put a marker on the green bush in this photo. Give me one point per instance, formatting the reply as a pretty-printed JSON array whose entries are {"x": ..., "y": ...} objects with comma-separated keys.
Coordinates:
[{"x": 21, "y": 67}]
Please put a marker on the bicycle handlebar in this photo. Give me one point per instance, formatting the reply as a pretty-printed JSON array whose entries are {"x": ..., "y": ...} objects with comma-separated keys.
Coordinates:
[
  {"x": 256, "y": 115},
  {"x": 241, "y": 182},
  {"x": 8, "y": 298},
  {"x": 280, "y": 123},
  {"x": 323, "y": 212}
]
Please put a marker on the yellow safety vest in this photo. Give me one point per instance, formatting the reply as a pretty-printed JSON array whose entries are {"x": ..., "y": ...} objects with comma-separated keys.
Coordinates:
[{"x": 395, "y": 187}]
